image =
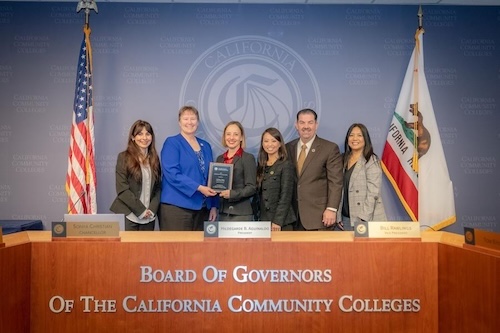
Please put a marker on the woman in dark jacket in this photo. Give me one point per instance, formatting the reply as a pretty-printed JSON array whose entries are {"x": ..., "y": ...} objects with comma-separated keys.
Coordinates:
[
  {"x": 236, "y": 203},
  {"x": 138, "y": 179},
  {"x": 276, "y": 181}
]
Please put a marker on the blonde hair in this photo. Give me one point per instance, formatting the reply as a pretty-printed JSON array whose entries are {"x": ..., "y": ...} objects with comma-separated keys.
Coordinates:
[{"x": 189, "y": 108}]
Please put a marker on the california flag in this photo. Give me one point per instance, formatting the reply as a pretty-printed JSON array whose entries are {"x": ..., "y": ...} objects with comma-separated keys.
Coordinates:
[{"x": 413, "y": 157}]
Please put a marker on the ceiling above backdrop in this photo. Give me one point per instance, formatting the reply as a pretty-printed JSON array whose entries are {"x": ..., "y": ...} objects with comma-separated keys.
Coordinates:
[{"x": 316, "y": 2}]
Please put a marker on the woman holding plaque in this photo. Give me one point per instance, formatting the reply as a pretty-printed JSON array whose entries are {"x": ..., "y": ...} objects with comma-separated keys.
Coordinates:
[
  {"x": 275, "y": 182},
  {"x": 138, "y": 179},
  {"x": 362, "y": 199},
  {"x": 186, "y": 200},
  {"x": 236, "y": 203}
]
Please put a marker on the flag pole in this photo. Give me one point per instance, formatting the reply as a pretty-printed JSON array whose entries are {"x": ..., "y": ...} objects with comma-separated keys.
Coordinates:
[
  {"x": 88, "y": 5},
  {"x": 81, "y": 177},
  {"x": 414, "y": 109},
  {"x": 420, "y": 15}
]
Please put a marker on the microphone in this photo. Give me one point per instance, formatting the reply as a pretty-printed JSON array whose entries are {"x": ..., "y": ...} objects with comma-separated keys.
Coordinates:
[
  {"x": 74, "y": 204},
  {"x": 338, "y": 224},
  {"x": 229, "y": 210}
]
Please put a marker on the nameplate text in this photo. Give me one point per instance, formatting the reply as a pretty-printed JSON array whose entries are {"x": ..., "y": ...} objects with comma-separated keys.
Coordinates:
[
  {"x": 238, "y": 229},
  {"x": 482, "y": 238},
  {"x": 85, "y": 229},
  {"x": 387, "y": 229}
]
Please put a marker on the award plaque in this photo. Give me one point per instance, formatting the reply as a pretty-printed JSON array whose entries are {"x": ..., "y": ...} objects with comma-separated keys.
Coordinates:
[{"x": 220, "y": 176}]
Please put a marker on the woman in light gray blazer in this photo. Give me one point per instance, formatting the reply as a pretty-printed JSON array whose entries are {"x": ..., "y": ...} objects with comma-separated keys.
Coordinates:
[{"x": 362, "y": 199}]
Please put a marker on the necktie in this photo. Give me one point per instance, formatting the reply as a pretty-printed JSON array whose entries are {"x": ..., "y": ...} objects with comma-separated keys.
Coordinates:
[{"x": 301, "y": 159}]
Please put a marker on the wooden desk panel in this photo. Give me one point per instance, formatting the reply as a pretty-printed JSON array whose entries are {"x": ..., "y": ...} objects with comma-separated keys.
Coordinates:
[
  {"x": 469, "y": 291},
  {"x": 15, "y": 282},
  {"x": 465, "y": 279},
  {"x": 111, "y": 271}
]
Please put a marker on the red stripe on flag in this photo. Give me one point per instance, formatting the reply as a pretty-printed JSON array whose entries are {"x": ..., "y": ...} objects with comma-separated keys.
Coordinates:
[
  {"x": 76, "y": 179},
  {"x": 400, "y": 180},
  {"x": 81, "y": 175}
]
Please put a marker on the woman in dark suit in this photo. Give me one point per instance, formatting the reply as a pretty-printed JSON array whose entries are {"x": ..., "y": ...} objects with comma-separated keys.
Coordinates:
[
  {"x": 138, "y": 176},
  {"x": 275, "y": 182},
  {"x": 236, "y": 204}
]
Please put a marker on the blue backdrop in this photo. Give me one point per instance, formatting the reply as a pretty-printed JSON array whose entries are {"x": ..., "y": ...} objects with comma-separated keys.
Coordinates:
[{"x": 258, "y": 64}]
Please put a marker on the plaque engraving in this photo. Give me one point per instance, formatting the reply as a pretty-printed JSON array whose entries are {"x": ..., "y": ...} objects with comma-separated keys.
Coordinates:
[{"x": 220, "y": 176}]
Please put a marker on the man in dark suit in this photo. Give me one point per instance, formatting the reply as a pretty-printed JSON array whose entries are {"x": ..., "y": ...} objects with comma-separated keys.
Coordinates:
[{"x": 318, "y": 163}]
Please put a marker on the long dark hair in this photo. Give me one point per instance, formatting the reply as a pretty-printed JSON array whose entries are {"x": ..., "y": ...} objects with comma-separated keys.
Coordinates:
[
  {"x": 263, "y": 156},
  {"x": 134, "y": 153},
  {"x": 367, "y": 150}
]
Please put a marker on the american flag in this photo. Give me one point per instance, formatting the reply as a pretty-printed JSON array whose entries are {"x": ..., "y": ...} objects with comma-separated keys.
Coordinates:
[{"x": 81, "y": 177}]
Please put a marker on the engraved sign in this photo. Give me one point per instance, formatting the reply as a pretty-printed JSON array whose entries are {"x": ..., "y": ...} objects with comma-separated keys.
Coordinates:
[{"x": 220, "y": 176}]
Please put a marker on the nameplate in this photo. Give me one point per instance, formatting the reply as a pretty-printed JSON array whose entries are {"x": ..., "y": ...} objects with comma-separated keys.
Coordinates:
[
  {"x": 482, "y": 238},
  {"x": 238, "y": 229},
  {"x": 85, "y": 229},
  {"x": 387, "y": 229}
]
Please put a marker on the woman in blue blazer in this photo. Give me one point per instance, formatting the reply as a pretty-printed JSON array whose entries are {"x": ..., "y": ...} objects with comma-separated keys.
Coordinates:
[{"x": 186, "y": 200}]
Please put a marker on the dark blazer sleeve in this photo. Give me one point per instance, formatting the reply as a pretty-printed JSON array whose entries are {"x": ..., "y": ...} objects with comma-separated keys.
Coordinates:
[
  {"x": 154, "y": 202},
  {"x": 126, "y": 189},
  {"x": 291, "y": 148},
  {"x": 335, "y": 176},
  {"x": 287, "y": 186},
  {"x": 249, "y": 178}
]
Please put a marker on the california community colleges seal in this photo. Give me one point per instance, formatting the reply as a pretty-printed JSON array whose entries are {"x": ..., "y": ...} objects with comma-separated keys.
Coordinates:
[{"x": 252, "y": 79}]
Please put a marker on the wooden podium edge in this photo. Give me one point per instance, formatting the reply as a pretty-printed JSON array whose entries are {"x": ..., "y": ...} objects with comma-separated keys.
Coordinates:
[
  {"x": 440, "y": 237},
  {"x": 385, "y": 239},
  {"x": 481, "y": 249},
  {"x": 86, "y": 239},
  {"x": 232, "y": 239}
]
